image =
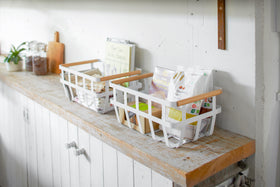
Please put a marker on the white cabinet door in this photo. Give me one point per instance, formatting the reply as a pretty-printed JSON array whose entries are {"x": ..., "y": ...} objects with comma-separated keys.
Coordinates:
[
  {"x": 125, "y": 170},
  {"x": 44, "y": 149},
  {"x": 60, "y": 155},
  {"x": 96, "y": 155},
  {"x": 31, "y": 139},
  {"x": 110, "y": 167},
  {"x": 69, "y": 168},
  {"x": 55, "y": 142},
  {"x": 160, "y": 181},
  {"x": 4, "y": 138},
  {"x": 73, "y": 160},
  {"x": 110, "y": 163},
  {"x": 84, "y": 159},
  {"x": 142, "y": 175},
  {"x": 12, "y": 139},
  {"x": 19, "y": 136},
  {"x": 64, "y": 153},
  {"x": 2, "y": 134}
]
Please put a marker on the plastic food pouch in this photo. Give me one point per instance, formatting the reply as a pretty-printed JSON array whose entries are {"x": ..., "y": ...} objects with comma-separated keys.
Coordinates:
[
  {"x": 204, "y": 84},
  {"x": 97, "y": 86},
  {"x": 176, "y": 85},
  {"x": 196, "y": 82},
  {"x": 160, "y": 82},
  {"x": 207, "y": 103}
]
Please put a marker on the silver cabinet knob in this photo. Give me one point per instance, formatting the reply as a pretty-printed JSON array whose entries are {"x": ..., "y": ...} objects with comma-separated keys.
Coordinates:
[
  {"x": 70, "y": 145},
  {"x": 79, "y": 152}
]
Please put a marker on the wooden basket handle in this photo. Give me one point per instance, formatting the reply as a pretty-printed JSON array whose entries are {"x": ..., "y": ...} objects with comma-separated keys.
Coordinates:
[
  {"x": 80, "y": 63},
  {"x": 134, "y": 78},
  {"x": 199, "y": 97},
  {"x": 110, "y": 77}
]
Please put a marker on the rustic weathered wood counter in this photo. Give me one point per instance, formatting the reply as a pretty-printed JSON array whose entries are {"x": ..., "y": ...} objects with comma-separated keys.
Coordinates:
[{"x": 188, "y": 165}]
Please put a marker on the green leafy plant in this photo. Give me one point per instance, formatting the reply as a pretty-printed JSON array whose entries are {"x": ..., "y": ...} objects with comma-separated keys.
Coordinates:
[{"x": 14, "y": 54}]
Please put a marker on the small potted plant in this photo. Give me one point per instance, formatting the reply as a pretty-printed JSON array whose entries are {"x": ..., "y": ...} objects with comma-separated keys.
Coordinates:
[{"x": 14, "y": 60}]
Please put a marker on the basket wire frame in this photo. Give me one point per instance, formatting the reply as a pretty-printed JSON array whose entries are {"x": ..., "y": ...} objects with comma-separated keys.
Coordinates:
[{"x": 177, "y": 141}]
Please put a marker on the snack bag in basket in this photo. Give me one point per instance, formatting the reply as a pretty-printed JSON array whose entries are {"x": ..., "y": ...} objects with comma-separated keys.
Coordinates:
[
  {"x": 160, "y": 82},
  {"x": 196, "y": 81}
]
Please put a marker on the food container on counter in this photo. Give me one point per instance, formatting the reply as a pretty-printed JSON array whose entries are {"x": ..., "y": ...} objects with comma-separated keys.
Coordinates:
[
  {"x": 40, "y": 66},
  {"x": 31, "y": 50}
]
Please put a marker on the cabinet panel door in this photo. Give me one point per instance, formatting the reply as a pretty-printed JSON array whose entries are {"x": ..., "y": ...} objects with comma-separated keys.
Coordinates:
[
  {"x": 110, "y": 166},
  {"x": 8, "y": 138},
  {"x": 64, "y": 154},
  {"x": 160, "y": 181},
  {"x": 60, "y": 155},
  {"x": 55, "y": 142},
  {"x": 2, "y": 134},
  {"x": 42, "y": 120},
  {"x": 96, "y": 154},
  {"x": 4, "y": 137},
  {"x": 142, "y": 175},
  {"x": 84, "y": 159},
  {"x": 12, "y": 139},
  {"x": 31, "y": 145},
  {"x": 19, "y": 136},
  {"x": 73, "y": 160},
  {"x": 125, "y": 170}
]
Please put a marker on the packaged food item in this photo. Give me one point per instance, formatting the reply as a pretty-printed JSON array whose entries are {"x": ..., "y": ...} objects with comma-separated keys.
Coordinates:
[
  {"x": 207, "y": 103},
  {"x": 91, "y": 72},
  {"x": 94, "y": 71},
  {"x": 90, "y": 100},
  {"x": 176, "y": 85},
  {"x": 98, "y": 87},
  {"x": 196, "y": 81},
  {"x": 160, "y": 82},
  {"x": 143, "y": 107}
]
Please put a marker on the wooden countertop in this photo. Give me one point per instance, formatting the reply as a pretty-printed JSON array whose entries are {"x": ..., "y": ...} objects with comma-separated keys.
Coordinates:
[{"x": 187, "y": 165}]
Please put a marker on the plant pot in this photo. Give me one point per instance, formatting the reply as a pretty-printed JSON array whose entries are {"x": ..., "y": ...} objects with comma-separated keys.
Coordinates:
[{"x": 14, "y": 67}]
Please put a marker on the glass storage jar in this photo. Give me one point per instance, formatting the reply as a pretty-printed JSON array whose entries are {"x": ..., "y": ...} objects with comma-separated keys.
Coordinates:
[
  {"x": 40, "y": 66},
  {"x": 31, "y": 50}
]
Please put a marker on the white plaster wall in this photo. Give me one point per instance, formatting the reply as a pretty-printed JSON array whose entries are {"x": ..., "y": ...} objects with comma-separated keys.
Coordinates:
[
  {"x": 259, "y": 156},
  {"x": 182, "y": 32},
  {"x": 271, "y": 125},
  {"x": 267, "y": 84},
  {"x": 166, "y": 33}
]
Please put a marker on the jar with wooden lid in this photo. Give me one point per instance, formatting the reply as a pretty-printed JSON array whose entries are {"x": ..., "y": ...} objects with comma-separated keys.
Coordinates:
[{"x": 40, "y": 66}]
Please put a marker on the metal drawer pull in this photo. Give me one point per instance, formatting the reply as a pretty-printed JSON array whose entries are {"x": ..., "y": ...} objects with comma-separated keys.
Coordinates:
[
  {"x": 80, "y": 152},
  {"x": 70, "y": 145}
]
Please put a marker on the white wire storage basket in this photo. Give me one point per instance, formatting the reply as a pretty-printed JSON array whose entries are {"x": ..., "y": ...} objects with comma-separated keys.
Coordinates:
[
  {"x": 92, "y": 92},
  {"x": 173, "y": 133}
]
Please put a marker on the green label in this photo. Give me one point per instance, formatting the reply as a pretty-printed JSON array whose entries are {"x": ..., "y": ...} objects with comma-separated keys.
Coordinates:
[{"x": 142, "y": 106}]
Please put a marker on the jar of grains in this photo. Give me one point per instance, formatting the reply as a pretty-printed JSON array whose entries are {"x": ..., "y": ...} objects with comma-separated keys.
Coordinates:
[
  {"x": 40, "y": 66},
  {"x": 31, "y": 49}
]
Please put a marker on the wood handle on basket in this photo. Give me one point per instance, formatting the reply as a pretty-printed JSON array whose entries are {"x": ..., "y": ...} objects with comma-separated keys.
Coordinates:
[
  {"x": 80, "y": 63},
  {"x": 110, "y": 77},
  {"x": 199, "y": 97},
  {"x": 129, "y": 79}
]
